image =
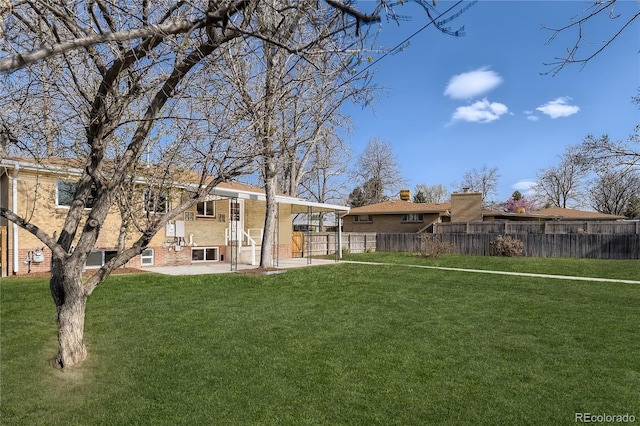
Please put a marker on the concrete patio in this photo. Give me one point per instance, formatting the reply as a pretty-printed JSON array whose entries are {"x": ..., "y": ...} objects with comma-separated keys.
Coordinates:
[{"x": 225, "y": 267}]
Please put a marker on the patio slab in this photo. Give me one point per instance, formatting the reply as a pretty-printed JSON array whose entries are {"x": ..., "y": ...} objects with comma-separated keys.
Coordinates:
[{"x": 225, "y": 267}]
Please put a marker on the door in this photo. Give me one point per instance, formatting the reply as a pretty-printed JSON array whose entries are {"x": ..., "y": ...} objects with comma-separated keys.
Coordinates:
[
  {"x": 297, "y": 244},
  {"x": 236, "y": 219}
]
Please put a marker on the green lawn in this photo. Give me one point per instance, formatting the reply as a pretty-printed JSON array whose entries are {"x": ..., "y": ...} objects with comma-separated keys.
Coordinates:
[{"x": 338, "y": 344}]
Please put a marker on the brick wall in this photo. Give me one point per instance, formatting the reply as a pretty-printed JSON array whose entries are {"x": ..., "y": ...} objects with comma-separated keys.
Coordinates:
[
  {"x": 388, "y": 223},
  {"x": 466, "y": 206}
]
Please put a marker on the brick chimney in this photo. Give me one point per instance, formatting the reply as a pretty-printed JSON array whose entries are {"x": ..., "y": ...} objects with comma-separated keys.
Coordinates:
[{"x": 466, "y": 206}]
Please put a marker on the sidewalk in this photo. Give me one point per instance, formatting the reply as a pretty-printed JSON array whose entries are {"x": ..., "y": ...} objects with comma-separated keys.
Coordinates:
[
  {"x": 225, "y": 267},
  {"x": 515, "y": 274}
]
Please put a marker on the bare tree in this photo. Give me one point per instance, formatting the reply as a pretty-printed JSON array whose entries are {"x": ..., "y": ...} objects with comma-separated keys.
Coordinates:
[
  {"x": 424, "y": 193},
  {"x": 484, "y": 180},
  {"x": 122, "y": 83},
  {"x": 603, "y": 153},
  {"x": 378, "y": 170},
  {"x": 323, "y": 180},
  {"x": 563, "y": 185},
  {"x": 613, "y": 191},
  {"x": 601, "y": 14},
  {"x": 292, "y": 102}
]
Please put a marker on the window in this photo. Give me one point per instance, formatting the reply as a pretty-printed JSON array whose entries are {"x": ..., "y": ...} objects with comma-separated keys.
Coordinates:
[
  {"x": 204, "y": 254},
  {"x": 155, "y": 201},
  {"x": 234, "y": 211},
  {"x": 363, "y": 218},
  {"x": 97, "y": 259},
  {"x": 413, "y": 218},
  {"x": 146, "y": 257},
  {"x": 188, "y": 216},
  {"x": 206, "y": 209},
  {"x": 66, "y": 191}
]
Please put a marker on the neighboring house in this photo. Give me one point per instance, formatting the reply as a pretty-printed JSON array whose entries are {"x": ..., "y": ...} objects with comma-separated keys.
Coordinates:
[
  {"x": 403, "y": 216},
  {"x": 551, "y": 213},
  {"x": 396, "y": 216},
  {"x": 204, "y": 233},
  {"x": 572, "y": 214}
]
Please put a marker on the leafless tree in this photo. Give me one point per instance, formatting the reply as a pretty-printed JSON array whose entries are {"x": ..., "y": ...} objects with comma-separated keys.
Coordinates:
[
  {"x": 424, "y": 193},
  {"x": 613, "y": 191},
  {"x": 323, "y": 180},
  {"x": 377, "y": 166},
  {"x": 600, "y": 15},
  {"x": 603, "y": 153},
  {"x": 120, "y": 84},
  {"x": 484, "y": 180},
  {"x": 564, "y": 185},
  {"x": 292, "y": 101}
]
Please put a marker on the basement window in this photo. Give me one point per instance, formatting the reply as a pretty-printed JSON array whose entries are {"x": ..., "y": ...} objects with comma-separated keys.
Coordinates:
[
  {"x": 146, "y": 257},
  {"x": 204, "y": 254},
  {"x": 97, "y": 259}
]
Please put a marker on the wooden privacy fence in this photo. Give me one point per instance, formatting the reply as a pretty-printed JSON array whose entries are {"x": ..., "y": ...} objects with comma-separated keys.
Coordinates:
[
  {"x": 547, "y": 227},
  {"x": 324, "y": 243},
  {"x": 595, "y": 246}
]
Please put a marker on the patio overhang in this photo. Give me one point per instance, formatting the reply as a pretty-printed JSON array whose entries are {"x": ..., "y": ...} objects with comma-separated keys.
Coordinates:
[{"x": 298, "y": 205}]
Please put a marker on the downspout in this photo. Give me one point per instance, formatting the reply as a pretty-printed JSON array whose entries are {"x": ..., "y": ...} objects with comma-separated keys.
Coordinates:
[{"x": 14, "y": 207}]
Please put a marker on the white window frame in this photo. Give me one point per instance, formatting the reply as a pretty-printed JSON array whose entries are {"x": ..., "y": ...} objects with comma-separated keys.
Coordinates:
[
  {"x": 144, "y": 258},
  {"x": 149, "y": 196},
  {"x": 204, "y": 254},
  {"x": 412, "y": 218},
  {"x": 359, "y": 218},
  {"x": 205, "y": 203},
  {"x": 103, "y": 257},
  {"x": 73, "y": 185}
]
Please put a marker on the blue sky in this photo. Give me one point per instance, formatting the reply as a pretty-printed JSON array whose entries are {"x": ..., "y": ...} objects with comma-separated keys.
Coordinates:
[{"x": 452, "y": 104}]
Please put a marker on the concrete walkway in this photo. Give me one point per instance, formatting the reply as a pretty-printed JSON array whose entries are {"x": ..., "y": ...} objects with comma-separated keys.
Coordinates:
[
  {"x": 515, "y": 274},
  {"x": 225, "y": 267}
]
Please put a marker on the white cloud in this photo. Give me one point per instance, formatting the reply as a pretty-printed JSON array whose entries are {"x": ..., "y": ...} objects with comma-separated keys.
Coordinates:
[
  {"x": 531, "y": 116},
  {"x": 471, "y": 84},
  {"x": 480, "y": 112},
  {"x": 524, "y": 185},
  {"x": 559, "y": 108}
]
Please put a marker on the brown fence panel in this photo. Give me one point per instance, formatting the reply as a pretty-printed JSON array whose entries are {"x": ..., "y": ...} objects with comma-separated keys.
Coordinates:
[
  {"x": 359, "y": 242},
  {"x": 594, "y": 246}
]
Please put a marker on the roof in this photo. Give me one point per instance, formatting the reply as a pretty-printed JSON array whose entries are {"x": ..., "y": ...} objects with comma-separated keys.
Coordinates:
[
  {"x": 557, "y": 213},
  {"x": 229, "y": 189},
  {"x": 572, "y": 214},
  {"x": 401, "y": 207}
]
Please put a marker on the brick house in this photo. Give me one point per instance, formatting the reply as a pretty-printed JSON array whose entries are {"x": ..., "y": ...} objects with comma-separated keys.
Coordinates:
[
  {"x": 396, "y": 216},
  {"x": 403, "y": 216},
  {"x": 204, "y": 233}
]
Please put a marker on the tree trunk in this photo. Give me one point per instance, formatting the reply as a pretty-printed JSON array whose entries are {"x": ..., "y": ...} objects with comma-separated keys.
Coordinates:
[
  {"x": 71, "y": 300},
  {"x": 268, "y": 240}
]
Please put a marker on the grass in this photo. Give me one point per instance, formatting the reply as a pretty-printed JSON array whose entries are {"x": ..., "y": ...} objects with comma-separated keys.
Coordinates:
[
  {"x": 338, "y": 344},
  {"x": 596, "y": 268}
]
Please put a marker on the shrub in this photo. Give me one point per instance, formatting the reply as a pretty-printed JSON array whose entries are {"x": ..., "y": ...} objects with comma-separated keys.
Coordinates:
[
  {"x": 505, "y": 245},
  {"x": 432, "y": 247}
]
